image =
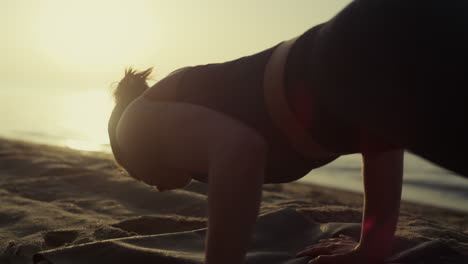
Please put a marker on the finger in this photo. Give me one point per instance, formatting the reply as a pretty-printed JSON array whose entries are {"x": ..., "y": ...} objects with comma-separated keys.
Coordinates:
[
  {"x": 313, "y": 252},
  {"x": 345, "y": 237},
  {"x": 331, "y": 259},
  {"x": 341, "y": 237},
  {"x": 320, "y": 244},
  {"x": 330, "y": 239}
]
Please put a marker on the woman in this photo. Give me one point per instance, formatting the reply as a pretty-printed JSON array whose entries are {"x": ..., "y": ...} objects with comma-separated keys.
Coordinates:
[{"x": 380, "y": 77}]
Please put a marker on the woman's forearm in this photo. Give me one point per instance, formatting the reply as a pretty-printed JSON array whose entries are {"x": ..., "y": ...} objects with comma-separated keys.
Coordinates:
[
  {"x": 382, "y": 174},
  {"x": 234, "y": 196},
  {"x": 378, "y": 229}
]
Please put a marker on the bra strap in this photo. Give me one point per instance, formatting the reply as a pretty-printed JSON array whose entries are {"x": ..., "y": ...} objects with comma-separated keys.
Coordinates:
[{"x": 278, "y": 106}]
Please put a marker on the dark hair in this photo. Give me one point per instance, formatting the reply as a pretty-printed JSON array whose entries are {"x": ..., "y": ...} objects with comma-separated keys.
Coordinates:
[{"x": 129, "y": 88}]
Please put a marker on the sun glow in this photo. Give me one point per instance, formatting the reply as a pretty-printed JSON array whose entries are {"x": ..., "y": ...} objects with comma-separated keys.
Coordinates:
[
  {"x": 87, "y": 114},
  {"x": 89, "y": 33}
]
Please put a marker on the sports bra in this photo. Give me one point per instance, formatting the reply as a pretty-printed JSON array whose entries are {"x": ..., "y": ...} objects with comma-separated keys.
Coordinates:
[{"x": 235, "y": 88}]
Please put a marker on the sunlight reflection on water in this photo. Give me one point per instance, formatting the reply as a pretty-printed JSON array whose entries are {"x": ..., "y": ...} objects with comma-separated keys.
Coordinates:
[
  {"x": 83, "y": 145},
  {"x": 79, "y": 121},
  {"x": 76, "y": 120}
]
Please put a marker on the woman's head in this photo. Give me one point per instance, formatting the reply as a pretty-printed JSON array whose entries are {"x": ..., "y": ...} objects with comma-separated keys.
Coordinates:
[
  {"x": 128, "y": 89},
  {"x": 132, "y": 85},
  {"x": 136, "y": 161}
]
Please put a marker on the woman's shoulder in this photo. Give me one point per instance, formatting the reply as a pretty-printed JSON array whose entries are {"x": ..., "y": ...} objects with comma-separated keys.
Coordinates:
[
  {"x": 165, "y": 89},
  {"x": 178, "y": 71}
]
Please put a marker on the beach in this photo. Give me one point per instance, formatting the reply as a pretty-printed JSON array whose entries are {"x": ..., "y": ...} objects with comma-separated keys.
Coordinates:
[{"x": 54, "y": 200}]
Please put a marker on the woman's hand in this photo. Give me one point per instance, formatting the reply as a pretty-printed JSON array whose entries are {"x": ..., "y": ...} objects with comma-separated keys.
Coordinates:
[
  {"x": 383, "y": 174},
  {"x": 342, "y": 249}
]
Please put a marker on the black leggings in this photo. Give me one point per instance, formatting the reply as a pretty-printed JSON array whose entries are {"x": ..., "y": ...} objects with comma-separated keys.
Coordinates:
[{"x": 387, "y": 74}]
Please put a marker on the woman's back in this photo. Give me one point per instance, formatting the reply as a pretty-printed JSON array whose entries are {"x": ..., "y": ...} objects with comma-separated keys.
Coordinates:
[{"x": 235, "y": 88}]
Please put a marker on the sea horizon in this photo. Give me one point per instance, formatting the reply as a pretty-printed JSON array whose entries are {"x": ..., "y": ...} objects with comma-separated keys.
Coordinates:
[{"x": 424, "y": 183}]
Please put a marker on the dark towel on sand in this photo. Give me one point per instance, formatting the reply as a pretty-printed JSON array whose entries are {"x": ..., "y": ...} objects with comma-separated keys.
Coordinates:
[{"x": 279, "y": 236}]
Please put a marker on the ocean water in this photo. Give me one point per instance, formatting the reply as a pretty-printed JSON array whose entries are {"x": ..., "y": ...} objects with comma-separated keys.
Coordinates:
[
  {"x": 423, "y": 182},
  {"x": 61, "y": 120}
]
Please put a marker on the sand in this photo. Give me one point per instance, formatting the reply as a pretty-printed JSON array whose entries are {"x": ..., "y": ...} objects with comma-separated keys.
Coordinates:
[{"x": 54, "y": 198}]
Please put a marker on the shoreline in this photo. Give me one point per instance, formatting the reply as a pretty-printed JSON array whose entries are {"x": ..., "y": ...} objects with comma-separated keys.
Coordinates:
[
  {"x": 432, "y": 192},
  {"x": 52, "y": 197},
  {"x": 354, "y": 195}
]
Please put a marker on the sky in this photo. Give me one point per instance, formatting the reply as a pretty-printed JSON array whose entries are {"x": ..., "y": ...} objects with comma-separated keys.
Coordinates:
[{"x": 61, "y": 56}]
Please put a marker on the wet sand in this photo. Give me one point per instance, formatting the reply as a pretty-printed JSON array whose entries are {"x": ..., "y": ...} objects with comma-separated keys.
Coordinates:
[{"x": 52, "y": 197}]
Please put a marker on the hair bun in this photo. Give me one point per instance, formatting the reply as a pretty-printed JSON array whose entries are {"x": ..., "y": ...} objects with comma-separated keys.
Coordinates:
[{"x": 131, "y": 86}]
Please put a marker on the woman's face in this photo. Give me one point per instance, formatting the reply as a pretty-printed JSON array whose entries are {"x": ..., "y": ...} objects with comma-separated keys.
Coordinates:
[
  {"x": 173, "y": 181},
  {"x": 163, "y": 178},
  {"x": 146, "y": 168}
]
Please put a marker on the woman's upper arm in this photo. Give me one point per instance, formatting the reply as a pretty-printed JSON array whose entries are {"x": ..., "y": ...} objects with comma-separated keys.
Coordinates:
[{"x": 179, "y": 135}]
